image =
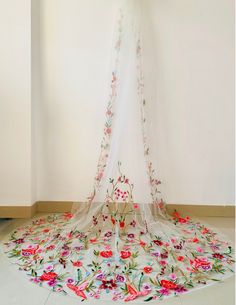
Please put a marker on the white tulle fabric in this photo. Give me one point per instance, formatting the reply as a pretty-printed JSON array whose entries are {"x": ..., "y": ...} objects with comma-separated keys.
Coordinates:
[
  {"x": 121, "y": 244},
  {"x": 125, "y": 144}
]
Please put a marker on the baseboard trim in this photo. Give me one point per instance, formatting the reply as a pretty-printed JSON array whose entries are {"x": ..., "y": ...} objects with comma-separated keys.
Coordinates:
[
  {"x": 54, "y": 206},
  {"x": 203, "y": 210},
  {"x": 66, "y": 206},
  {"x": 18, "y": 211}
]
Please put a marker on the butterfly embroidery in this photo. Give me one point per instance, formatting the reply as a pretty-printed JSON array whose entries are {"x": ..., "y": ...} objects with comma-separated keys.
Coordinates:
[
  {"x": 79, "y": 290},
  {"x": 135, "y": 294}
]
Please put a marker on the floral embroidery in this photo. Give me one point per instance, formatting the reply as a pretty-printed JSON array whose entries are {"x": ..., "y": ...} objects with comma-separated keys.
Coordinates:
[
  {"x": 105, "y": 145},
  {"x": 147, "y": 269},
  {"x": 106, "y": 254},
  {"x": 119, "y": 263},
  {"x": 118, "y": 256},
  {"x": 48, "y": 276},
  {"x": 125, "y": 254}
]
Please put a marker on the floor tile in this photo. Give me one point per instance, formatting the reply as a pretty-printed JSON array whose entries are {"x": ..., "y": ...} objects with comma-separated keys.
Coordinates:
[
  {"x": 224, "y": 225},
  {"x": 218, "y": 294},
  {"x": 15, "y": 289}
]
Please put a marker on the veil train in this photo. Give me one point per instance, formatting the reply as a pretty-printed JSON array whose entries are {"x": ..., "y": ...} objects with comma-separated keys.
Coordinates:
[{"x": 121, "y": 244}]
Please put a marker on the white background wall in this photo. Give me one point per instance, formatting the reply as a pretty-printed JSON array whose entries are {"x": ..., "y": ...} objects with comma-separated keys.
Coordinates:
[
  {"x": 193, "y": 47},
  {"x": 15, "y": 103}
]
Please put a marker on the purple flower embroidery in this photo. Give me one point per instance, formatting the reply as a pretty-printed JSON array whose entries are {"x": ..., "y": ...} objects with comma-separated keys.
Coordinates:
[
  {"x": 49, "y": 267},
  {"x": 146, "y": 287},
  {"x": 70, "y": 280},
  {"x": 100, "y": 276},
  {"x": 35, "y": 280},
  {"x": 52, "y": 282},
  {"x": 206, "y": 267},
  {"x": 120, "y": 278},
  {"x": 164, "y": 291},
  {"x": 25, "y": 254},
  {"x": 172, "y": 276},
  {"x": 156, "y": 253}
]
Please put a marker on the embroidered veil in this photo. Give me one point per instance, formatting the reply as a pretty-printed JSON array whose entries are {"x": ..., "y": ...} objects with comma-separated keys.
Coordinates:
[{"x": 122, "y": 244}]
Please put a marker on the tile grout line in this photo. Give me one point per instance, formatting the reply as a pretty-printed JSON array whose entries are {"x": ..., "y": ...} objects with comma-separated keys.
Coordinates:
[
  {"x": 47, "y": 298},
  {"x": 181, "y": 303}
]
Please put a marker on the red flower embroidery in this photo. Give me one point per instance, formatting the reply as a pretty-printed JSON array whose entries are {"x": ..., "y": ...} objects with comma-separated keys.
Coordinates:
[
  {"x": 168, "y": 285},
  {"x": 176, "y": 216},
  {"x": 68, "y": 215},
  {"x": 195, "y": 240},
  {"x": 218, "y": 255},
  {"x": 125, "y": 254},
  {"x": 77, "y": 264},
  {"x": 30, "y": 251},
  {"x": 51, "y": 247},
  {"x": 109, "y": 113},
  {"x": 158, "y": 242},
  {"x": 122, "y": 224},
  {"x": 108, "y": 131},
  {"x": 108, "y": 284},
  {"x": 147, "y": 269},
  {"x": 113, "y": 220},
  {"x": 48, "y": 276},
  {"x": 180, "y": 258},
  {"x": 106, "y": 254},
  {"x": 200, "y": 263},
  {"x": 99, "y": 176},
  {"x": 205, "y": 230},
  {"x": 142, "y": 243}
]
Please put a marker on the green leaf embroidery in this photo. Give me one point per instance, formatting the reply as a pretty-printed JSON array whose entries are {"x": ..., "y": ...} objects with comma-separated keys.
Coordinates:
[
  {"x": 79, "y": 276},
  {"x": 148, "y": 299}
]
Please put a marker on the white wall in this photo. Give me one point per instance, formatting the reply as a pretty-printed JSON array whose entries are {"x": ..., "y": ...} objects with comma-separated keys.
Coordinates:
[
  {"x": 193, "y": 46},
  {"x": 76, "y": 44},
  {"x": 195, "y": 63},
  {"x": 15, "y": 103},
  {"x": 36, "y": 129}
]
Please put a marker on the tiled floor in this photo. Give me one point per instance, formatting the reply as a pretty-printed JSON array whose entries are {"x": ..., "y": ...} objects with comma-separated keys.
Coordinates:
[{"x": 15, "y": 289}]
